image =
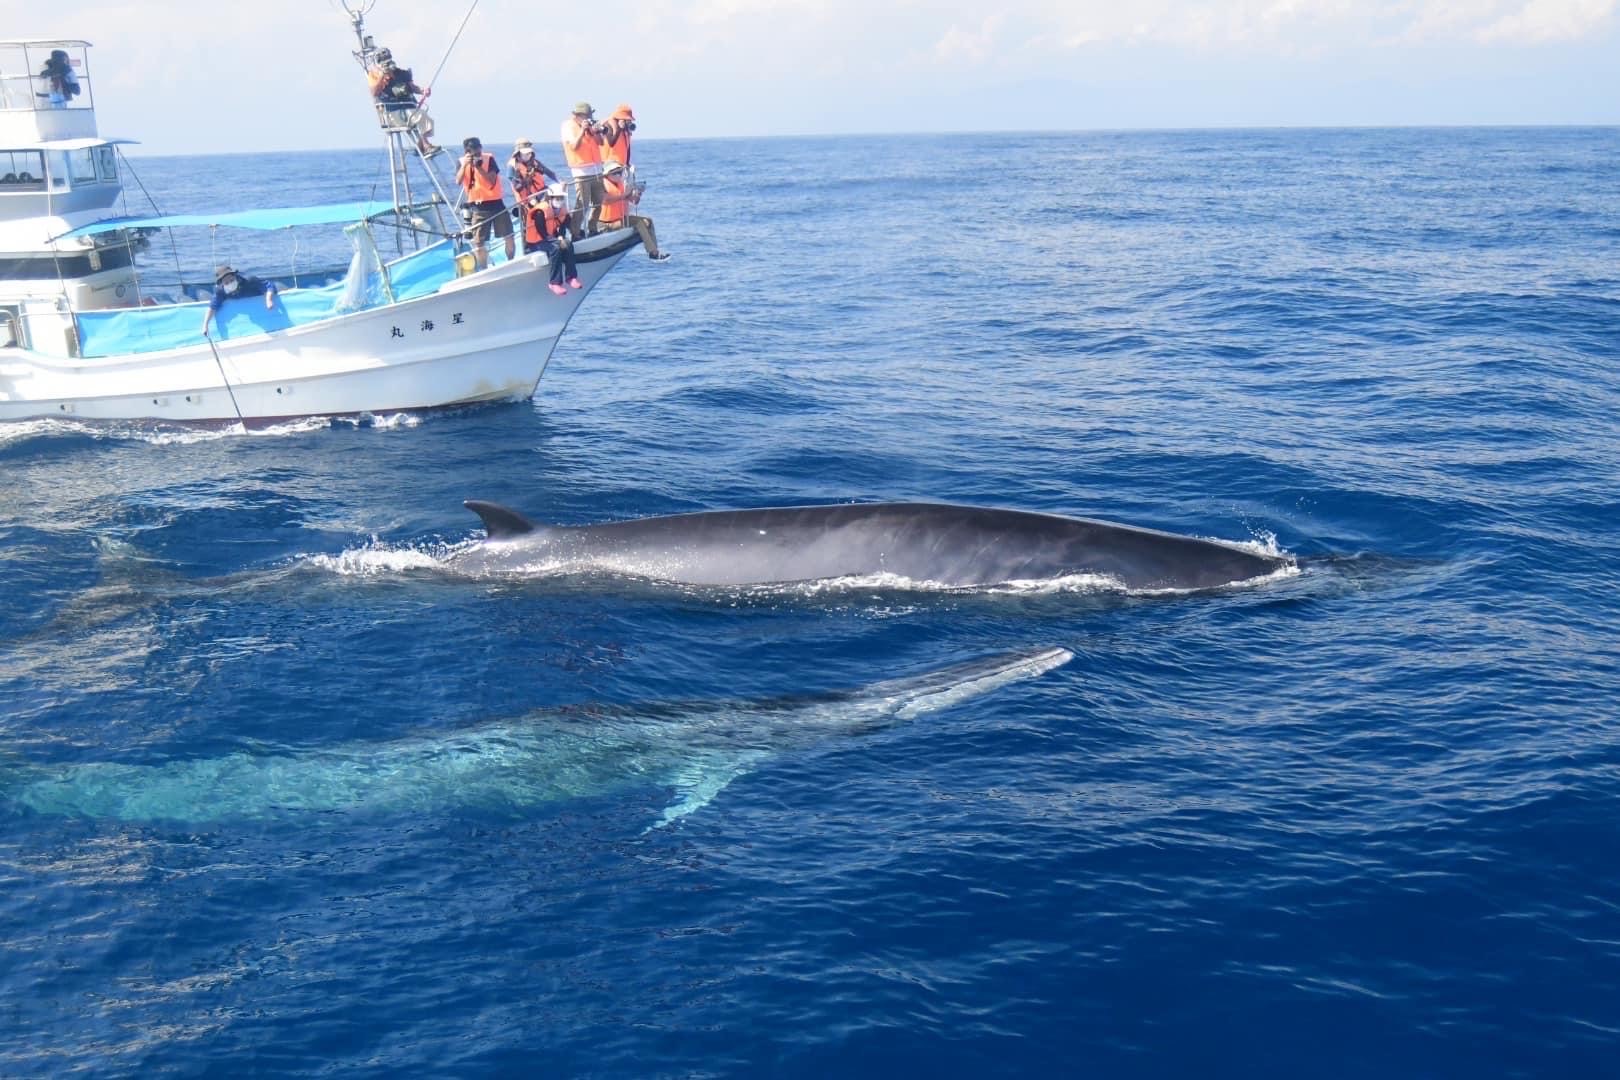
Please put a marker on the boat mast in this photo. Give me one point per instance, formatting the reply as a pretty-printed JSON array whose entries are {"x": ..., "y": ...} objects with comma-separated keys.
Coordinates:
[{"x": 400, "y": 151}]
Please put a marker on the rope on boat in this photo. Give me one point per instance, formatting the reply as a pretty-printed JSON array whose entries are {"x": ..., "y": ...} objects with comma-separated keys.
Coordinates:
[
  {"x": 224, "y": 379},
  {"x": 451, "y": 49},
  {"x": 173, "y": 247}
]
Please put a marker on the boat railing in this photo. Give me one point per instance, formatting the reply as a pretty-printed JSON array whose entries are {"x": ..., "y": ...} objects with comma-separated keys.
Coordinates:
[{"x": 25, "y": 86}]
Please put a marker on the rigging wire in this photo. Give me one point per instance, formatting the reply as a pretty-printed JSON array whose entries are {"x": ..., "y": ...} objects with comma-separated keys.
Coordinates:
[
  {"x": 173, "y": 247},
  {"x": 451, "y": 49}
]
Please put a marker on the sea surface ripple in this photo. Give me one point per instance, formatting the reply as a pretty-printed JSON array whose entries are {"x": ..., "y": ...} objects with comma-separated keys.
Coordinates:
[{"x": 1358, "y": 821}]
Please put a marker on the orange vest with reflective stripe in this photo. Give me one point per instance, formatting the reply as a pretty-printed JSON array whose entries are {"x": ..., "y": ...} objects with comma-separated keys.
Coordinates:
[
  {"x": 589, "y": 151},
  {"x": 481, "y": 179},
  {"x": 614, "y": 204},
  {"x": 618, "y": 148}
]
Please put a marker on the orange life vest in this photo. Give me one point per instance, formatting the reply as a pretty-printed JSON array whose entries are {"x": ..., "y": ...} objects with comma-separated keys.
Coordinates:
[
  {"x": 618, "y": 147},
  {"x": 589, "y": 151},
  {"x": 526, "y": 177},
  {"x": 614, "y": 203},
  {"x": 481, "y": 179},
  {"x": 542, "y": 222}
]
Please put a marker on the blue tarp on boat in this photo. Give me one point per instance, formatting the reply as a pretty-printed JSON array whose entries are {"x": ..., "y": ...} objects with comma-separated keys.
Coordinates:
[
  {"x": 174, "y": 326},
  {"x": 284, "y": 217}
]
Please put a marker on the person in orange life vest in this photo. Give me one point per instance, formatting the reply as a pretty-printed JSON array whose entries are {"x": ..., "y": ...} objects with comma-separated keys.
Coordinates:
[
  {"x": 616, "y": 134},
  {"x": 619, "y": 194},
  {"x": 547, "y": 227},
  {"x": 396, "y": 91},
  {"x": 582, "y": 147},
  {"x": 526, "y": 171},
  {"x": 484, "y": 211}
]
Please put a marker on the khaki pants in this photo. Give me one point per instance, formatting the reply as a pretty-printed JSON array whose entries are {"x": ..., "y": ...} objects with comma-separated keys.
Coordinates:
[{"x": 587, "y": 198}]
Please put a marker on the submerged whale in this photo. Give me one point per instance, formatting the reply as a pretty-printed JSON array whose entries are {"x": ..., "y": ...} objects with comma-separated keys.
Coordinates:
[
  {"x": 924, "y": 543},
  {"x": 695, "y": 750}
]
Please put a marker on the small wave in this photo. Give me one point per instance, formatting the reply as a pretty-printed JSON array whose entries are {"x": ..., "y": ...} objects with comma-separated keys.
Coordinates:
[
  {"x": 385, "y": 422},
  {"x": 21, "y": 430},
  {"x": 379, "y": 559},
  {"x": 158, "y": 433}
]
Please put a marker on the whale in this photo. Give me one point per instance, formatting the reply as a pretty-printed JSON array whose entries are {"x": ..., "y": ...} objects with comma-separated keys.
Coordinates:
[
  {"x": 926, "y": 544},
  {"x": 691, "y": 750}
]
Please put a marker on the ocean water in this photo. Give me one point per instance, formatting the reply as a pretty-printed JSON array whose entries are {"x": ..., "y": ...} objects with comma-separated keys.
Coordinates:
[{"x": 280, "y": 795}]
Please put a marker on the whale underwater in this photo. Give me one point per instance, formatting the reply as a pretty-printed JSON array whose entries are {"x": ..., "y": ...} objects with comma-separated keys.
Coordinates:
[
  {"x": 932, "y": 544},
  {"x": 694, "y": 750}
]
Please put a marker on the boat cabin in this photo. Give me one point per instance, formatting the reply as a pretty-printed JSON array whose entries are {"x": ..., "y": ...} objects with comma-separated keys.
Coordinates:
[{"x": 57, "y": 173}]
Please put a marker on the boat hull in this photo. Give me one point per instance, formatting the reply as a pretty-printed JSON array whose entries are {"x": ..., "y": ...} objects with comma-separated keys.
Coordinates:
[{"x": 481, "y": 338}]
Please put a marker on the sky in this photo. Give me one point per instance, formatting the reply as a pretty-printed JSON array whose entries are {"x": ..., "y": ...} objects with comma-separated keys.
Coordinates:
[{"x": 228, "y": 77}]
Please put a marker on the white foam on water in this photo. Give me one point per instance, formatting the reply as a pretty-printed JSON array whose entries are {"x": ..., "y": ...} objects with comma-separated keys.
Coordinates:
[
  {"x": 378, "y": 559},
  {"x": 18, "y": 430},
  {"x": 385, "y": 422}
]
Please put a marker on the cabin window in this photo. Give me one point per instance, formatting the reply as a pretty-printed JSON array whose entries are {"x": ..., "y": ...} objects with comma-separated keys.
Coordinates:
[
  {"x": 57, "y": 160},
  {"x": 22, "y": 170},
  {"x": 107, "y": 163},
  {"x": 83, "y": 164}
]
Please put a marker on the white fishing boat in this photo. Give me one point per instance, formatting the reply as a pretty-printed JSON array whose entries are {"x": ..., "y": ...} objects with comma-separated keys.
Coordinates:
[{"x": 84, "y": 332}]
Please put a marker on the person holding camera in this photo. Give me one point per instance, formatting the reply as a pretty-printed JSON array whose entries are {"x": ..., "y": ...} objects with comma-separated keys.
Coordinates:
[
  {"x": 616, "y": 134},
  {"x": 395, "y": 89},
  {"x": 484, "y": 210},
  {"x": 582, "y": 147},
  {"x": 619, "y": 193},
  {"x": 63, "y": 85},
  {"x": 526, "y": 171}
]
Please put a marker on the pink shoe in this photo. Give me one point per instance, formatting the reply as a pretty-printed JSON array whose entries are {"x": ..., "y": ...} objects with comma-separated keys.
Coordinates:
[
  {"x": 558, "y": 289},
  {"x": 574, "y": 281}
]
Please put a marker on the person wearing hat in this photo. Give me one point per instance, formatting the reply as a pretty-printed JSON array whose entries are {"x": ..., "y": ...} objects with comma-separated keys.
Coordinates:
[
  {"x": 230, "y": 285},
  {"x": 582, "y": 147},
  {"x": 616, "y": 134},
  {"x": 619, "y": 194},
  {"x": 547, "y": 228},
  {"x": 483, "y": 208},
  {"x": 527, "y": 172},
  {"x": 395, "y": 89}
]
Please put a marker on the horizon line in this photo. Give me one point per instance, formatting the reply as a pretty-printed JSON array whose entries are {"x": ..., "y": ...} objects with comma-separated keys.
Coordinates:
[{"x": 1229, "y": 128}]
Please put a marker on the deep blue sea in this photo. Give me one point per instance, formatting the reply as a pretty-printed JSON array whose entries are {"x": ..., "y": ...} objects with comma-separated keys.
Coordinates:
[{"x": 1359, "y": 821}]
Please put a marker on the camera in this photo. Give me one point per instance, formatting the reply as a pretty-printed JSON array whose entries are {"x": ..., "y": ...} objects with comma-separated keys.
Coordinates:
[{"x": 630, "y": 125}]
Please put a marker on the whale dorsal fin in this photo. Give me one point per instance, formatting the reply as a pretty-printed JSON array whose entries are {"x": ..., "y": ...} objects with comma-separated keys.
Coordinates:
[{"x": 501, "y": 522}]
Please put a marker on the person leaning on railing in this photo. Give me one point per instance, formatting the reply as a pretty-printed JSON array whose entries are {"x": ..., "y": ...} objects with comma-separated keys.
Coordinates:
[
  {"x": 229, "y": 285},
  {"x": 619, "y": 194}
]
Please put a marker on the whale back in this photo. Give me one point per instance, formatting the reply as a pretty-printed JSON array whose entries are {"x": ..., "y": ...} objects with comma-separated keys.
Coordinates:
[{"x": 936, "y": 543}]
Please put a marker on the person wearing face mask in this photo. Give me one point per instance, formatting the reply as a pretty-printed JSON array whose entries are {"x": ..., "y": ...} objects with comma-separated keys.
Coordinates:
[
  {"x": 526, "y": 171},
  {"x": 548, "y": 228},
  {"x": 230, "y": 285}
]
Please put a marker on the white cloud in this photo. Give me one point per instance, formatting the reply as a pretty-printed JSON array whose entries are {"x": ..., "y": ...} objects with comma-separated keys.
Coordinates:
[
  {"x": 1548, "y": 20},
  {"x": 968, "y": 46}
]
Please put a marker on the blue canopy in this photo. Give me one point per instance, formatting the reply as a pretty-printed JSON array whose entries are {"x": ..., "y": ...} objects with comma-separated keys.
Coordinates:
[{"x": 276, "y": 218}]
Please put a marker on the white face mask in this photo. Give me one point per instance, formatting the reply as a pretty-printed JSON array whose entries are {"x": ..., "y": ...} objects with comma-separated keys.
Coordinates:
[{"x": 231, "y": 284}]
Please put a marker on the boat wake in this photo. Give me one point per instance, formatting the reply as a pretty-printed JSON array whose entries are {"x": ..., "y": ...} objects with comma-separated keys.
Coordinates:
[{"x": 157, "y": 433}]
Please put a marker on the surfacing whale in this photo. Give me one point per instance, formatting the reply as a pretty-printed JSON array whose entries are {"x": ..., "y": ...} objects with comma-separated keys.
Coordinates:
[
  {"x": 695, "y": 750},
  {"x": 924, "y": 543}
]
